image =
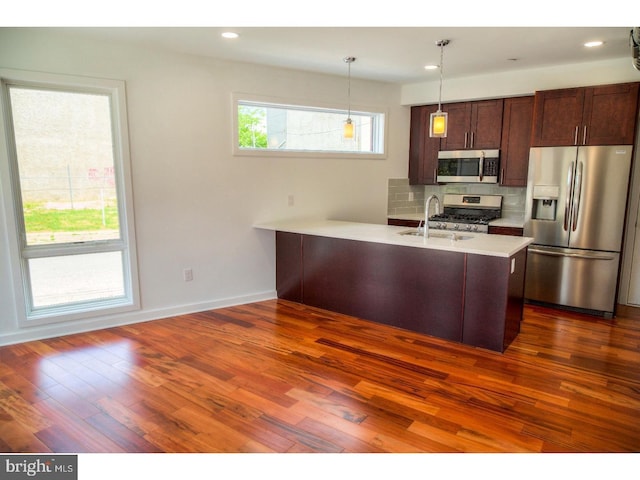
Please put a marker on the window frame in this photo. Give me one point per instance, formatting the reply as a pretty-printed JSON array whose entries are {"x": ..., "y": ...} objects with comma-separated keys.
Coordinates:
[
  {"x": 380, "y": 136},
  {"x": 19, "y": 251}
]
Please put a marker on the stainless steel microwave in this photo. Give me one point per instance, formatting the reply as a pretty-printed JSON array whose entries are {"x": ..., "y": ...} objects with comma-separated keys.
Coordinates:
[{"x": 468, "y": 166}]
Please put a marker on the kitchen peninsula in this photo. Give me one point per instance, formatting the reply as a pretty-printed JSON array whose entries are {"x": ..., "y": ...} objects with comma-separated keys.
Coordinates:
[{"x": 463, "y": 287}]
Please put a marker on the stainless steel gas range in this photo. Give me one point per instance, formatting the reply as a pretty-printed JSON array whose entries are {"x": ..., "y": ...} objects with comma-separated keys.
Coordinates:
[{"x": 467, "y": 213}]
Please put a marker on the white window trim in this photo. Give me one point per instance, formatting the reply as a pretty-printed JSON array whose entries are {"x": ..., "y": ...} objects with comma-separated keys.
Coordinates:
[
  {"x": 355, "y": 109},
  {"x": 9, "y": 185}
]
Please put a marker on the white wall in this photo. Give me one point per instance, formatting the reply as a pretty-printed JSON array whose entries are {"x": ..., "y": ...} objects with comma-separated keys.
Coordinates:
[
  {"x": 194, "y": 202},
  {"x": 521, "y": 82}
]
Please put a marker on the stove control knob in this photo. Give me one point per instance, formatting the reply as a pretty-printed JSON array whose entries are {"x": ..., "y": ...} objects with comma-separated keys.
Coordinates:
[
  {"x": 468, "y": 228},
  {"x": 455, "y": 226}
]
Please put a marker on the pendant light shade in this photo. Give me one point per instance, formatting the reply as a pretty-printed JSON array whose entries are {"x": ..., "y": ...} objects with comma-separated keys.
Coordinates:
[
  {"x": 348, "y": 131},
  {"x": 438, "y": 124},
  {"x": 438, "y": 119}
]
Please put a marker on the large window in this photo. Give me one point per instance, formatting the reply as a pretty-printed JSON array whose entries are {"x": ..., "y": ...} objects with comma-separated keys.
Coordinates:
[
  {"x": 263, "y": 126},
  {"x": 67, "y": 159}
]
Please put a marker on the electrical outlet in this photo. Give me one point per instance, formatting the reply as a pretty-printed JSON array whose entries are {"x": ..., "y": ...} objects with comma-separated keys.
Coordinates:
[
  {"x": 411, "y": 196},
  {"x": 188, "y": 274},
  {"x": 290, "y": 200}
]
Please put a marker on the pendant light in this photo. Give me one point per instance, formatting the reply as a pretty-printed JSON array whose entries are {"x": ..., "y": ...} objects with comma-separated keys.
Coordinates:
[
  {"x": 438, "y": 120},
  {"x": 348, "y": 125}
]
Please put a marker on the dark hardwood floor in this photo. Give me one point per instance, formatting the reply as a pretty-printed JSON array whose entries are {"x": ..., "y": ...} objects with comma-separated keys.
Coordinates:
[{"x": 276, "y": 376}]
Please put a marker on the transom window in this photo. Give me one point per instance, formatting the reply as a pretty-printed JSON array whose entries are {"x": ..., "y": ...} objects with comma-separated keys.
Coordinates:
[{"x": 264, "y": 127}]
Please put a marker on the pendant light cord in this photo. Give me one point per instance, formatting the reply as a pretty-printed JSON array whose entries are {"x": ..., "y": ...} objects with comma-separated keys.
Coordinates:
[
  {"x": 349, "y": 61},
  {"x": 442, "y": 44},
  {"x": 349, "y": 93}
]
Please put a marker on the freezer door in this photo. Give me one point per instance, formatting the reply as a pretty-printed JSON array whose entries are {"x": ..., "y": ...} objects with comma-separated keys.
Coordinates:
[
  {"x": 548, "y": 199},
  {"x": 575, "y": 278},
  {"x": 600, "y": 197}
]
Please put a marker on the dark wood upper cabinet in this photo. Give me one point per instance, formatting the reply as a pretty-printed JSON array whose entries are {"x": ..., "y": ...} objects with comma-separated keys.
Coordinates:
[
  {"x": 600, "y": 115},
  {"x": 423, "y": 150},
  {"x": 516, "y": 141},
  {"x": 473, "y": 125},
  {"x": 458, "y": 126},
  {"x": 610, "y": 113}
]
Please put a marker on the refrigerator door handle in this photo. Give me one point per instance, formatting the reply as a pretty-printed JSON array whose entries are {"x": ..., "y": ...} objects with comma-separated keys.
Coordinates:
[
  {"x": 567, "y": 204},
  {"x": 576, "y": 196},
  {"x": 588, "y": 256}
]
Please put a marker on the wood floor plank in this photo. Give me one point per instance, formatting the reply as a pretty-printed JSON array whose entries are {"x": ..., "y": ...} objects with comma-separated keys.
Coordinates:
[
  {"x": 277, "y": 376},
  {"x": 126, "y": 439},
  {"x": 16, "y": 438},
  {"x": 68, "y": 433},
  {"x": 14, "y": 406},
  {"x": 349, "y": 444},
  {"x": 305, "y": 441}
]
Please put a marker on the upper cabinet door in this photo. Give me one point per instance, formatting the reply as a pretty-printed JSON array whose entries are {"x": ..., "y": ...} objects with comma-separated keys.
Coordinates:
[
  {"x": 473, "y": 125},
  {"x": 458, "y": 126},
  {"x": 486, "y": 124},
  {"x": 557, "y": 117},
  {"x": 423, "y": 150},
  {"x": 516, "y": 138},
  {"x": 610, "y": 114}
]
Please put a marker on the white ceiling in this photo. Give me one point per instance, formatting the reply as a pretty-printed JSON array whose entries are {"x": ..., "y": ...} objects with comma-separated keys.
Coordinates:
[{"x": 389, "y": 54}]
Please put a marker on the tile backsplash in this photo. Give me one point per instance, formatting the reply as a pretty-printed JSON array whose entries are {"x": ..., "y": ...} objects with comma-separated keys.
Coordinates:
[{"x": 404, "y": 198}]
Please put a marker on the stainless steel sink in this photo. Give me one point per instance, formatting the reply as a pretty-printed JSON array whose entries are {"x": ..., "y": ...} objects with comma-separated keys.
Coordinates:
[{"x": 454, "y": 236}]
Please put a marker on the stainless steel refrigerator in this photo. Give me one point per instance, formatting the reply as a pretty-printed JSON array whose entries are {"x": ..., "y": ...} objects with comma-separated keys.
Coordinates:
[{"x": 575, "y": 209}]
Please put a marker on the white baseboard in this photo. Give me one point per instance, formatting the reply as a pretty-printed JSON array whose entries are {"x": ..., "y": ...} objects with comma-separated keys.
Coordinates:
[{"x": 57, "y": 330}]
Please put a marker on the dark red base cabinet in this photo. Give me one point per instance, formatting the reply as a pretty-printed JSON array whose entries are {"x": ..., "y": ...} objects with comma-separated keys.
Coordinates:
[{"x": 472, "y": 299}]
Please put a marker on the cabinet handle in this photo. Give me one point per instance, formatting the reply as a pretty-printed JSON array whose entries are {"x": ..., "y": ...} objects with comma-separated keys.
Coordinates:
[
  {"x": 435, "y": 175},
  {"x": 501, "y": 176},
  {"x": 472, "y": 140},
  {"x": 575, "y": 135},
  {"x": 584, "y": 135},
  {"x": 466, "y": 135}
]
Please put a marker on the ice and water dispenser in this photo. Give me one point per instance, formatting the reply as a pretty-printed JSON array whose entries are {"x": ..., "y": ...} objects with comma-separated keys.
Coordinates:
[{"x": 545, "y": 202}]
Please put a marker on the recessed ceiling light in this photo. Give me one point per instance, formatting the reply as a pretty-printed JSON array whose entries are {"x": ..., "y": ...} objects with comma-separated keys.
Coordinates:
[
  {"x": 230, "y": 35},
  {"x": 595, "y": 43},
  {"x": 431, "y": 67}
]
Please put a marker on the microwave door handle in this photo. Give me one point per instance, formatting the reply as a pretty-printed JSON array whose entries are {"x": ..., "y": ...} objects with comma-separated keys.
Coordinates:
[
  {"x": 481, "y": 165},
  {"x": 567, "y": 204}
]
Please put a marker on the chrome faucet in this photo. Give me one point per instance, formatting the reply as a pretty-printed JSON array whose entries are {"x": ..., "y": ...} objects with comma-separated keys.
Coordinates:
[{"x": 427, "y": 206}]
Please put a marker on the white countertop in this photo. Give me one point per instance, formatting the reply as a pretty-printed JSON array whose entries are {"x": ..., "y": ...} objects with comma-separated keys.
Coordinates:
[
  {"x": 475, "y": 243},
  {"x": 513, "y": 220}
]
